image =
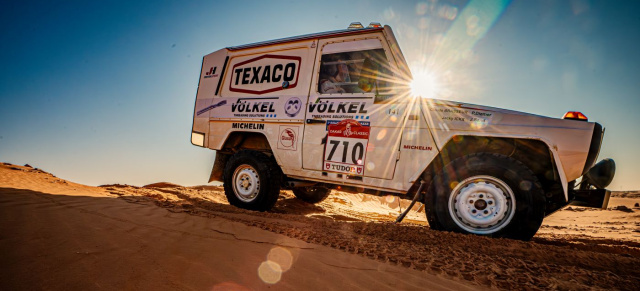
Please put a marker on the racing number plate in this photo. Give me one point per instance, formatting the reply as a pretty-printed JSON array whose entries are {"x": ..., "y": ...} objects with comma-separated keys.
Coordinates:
[{"x": 346, "y": 147}]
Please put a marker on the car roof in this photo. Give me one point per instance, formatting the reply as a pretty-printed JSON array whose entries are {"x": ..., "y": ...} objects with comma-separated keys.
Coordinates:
[{"x": 325, "y": 34}]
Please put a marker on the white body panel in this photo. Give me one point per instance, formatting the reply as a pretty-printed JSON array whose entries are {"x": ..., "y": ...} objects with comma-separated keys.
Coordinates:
[
  {"x": 273, "y": 89},
  {"x": 568, "y": 140}
]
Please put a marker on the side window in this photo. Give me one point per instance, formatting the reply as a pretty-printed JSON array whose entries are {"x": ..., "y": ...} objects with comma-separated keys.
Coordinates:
[{"x": 364, "y": 71}]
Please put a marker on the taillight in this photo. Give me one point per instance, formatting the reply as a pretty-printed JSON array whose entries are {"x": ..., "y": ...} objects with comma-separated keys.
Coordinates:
[{"x": 575, "y": 115}]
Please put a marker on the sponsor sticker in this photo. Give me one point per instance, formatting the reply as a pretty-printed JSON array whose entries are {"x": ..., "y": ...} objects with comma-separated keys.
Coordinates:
[
  {"x": 257, "y": 107},
  {"x": 265, "y": 74},
  {"x": 330, "y": 122},
  {"x": 211, "y": 73},
  {"x": 345, "y": 108},
  {"x": 415, "y": 147},
  {"x": 345, "y": 150},
  {"x": 293, "y": 106},
  {"x": 247, "y": 125},
  {"x": 254, "y": 107},
  {"x": 223, "y": 102},
  {"x": 394, "y": 110},
  {"x": 476, "y": 118},
  {"x": 288, "y": 138}
]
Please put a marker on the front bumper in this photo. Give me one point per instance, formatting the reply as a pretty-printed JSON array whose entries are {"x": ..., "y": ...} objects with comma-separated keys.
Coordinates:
[
  {"x": 592, "y": 192},
  {"x": 596, "y": 198}
]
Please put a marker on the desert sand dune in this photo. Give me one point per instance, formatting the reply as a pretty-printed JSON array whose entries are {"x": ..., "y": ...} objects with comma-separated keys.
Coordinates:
[{"x": 55, "y": 234}]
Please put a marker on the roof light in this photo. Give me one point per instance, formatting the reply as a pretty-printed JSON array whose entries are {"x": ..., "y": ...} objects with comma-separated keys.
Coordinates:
[
  {"x": 374, "y": 25},
  {"x": 355, "y": 25},
  {"x": 575, "y": 115}
]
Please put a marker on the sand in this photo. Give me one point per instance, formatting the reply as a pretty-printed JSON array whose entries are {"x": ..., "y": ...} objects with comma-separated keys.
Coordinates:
[{"x": 56, "y": 234}]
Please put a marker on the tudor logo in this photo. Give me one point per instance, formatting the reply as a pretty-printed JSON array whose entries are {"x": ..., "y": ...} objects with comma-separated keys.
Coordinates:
[{"x": 265, "y": 74}]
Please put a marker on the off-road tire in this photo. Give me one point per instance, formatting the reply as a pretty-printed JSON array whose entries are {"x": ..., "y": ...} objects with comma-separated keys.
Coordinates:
[
  {"x": 486, "y": 175},
  {"x": 312, "y": 195},
  {"x": 257, "y": 179}
]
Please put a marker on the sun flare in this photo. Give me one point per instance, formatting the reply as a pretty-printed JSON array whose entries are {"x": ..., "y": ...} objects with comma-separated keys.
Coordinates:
[{"x": 425, "y": 84}]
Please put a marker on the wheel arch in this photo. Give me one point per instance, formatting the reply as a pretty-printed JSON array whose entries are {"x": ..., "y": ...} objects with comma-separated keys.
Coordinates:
[
  {"x": 234, "y": 142},
  {"x": 535, "y": 153}
]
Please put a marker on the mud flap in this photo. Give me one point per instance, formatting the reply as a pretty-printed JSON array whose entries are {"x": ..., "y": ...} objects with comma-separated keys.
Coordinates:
[
  {"x": 218, "y": 167},
  {"x": 596, "y": 198}
]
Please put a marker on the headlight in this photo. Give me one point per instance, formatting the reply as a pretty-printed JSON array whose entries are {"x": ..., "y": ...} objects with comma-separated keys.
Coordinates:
[{"x": 601, "y": 174}]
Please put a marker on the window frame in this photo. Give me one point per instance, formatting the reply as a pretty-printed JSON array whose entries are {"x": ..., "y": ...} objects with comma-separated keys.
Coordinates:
[{"x": 321, "y": 53}]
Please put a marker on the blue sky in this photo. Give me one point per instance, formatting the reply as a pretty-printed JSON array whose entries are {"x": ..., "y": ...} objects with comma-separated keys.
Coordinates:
[{"x": 103, "y": 91}]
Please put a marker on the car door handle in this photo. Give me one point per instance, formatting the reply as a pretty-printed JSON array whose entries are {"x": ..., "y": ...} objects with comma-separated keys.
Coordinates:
[{"x": 309, "y": 121}]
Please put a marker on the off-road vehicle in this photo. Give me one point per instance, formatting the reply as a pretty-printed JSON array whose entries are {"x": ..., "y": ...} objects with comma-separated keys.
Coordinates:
[{"x": 332, "y": 110}]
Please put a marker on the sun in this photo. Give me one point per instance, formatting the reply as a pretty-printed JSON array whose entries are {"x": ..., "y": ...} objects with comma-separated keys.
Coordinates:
[{"x": 425, "y": 84}]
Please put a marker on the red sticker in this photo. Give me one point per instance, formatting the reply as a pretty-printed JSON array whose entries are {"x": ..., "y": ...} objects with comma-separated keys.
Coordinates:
[{"x": 345, "y": 150}]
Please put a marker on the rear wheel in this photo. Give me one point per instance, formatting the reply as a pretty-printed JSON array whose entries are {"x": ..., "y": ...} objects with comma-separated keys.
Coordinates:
[
  {"x": 252, "y": 180},
  {"x": 312, "y": 194},
  {"x": 486, "y": 194}
]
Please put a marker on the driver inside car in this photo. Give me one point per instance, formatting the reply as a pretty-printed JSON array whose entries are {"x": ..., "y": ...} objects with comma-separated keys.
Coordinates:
[{"x": 333, "y": 76}]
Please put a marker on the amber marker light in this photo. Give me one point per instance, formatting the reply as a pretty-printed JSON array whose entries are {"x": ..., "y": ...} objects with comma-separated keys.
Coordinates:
[{"x": 575, "y": 115}]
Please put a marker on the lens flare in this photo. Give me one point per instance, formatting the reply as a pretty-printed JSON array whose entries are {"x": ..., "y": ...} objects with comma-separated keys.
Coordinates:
[
  {"x": 390, "y": 199},
  {"x": 279, "y": 260},
  {"x": 381, "y": 134},
  {"x": 425, "y": 84},
  {"x": 282, "y": 257},
  {"x": 270, "y": 272},
  {"x": 371, "y": 166}
]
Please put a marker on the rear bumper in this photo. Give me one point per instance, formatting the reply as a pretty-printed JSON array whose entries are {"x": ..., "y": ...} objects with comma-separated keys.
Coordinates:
[{"x": 597, "y": 198}]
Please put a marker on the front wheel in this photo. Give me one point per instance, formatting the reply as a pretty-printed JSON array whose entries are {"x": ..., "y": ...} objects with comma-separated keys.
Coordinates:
[
  {"x": 486, "y": 194},
  {"x": 252, "y": 180}
]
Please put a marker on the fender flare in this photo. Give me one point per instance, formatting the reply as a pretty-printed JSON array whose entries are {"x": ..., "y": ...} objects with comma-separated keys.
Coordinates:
[{"x": 553, "y": 150}]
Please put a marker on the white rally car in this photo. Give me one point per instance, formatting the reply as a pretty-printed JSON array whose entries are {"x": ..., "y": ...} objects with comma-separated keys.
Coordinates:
[{"x": 316, "y": 112}]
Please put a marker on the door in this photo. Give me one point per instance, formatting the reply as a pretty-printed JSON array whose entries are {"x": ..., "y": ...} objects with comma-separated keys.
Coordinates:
[{"x": 352, "y": 93}]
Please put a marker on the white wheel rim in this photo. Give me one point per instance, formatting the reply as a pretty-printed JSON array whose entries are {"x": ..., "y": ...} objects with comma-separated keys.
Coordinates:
[
  {"x": 246, "y": 183},
  {"x": 482, "y": 204}
]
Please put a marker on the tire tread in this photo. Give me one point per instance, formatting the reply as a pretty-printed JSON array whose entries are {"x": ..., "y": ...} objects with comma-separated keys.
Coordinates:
[
  {"x": 522, "y": 228},
  {"x": 266, "y": 166}
]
